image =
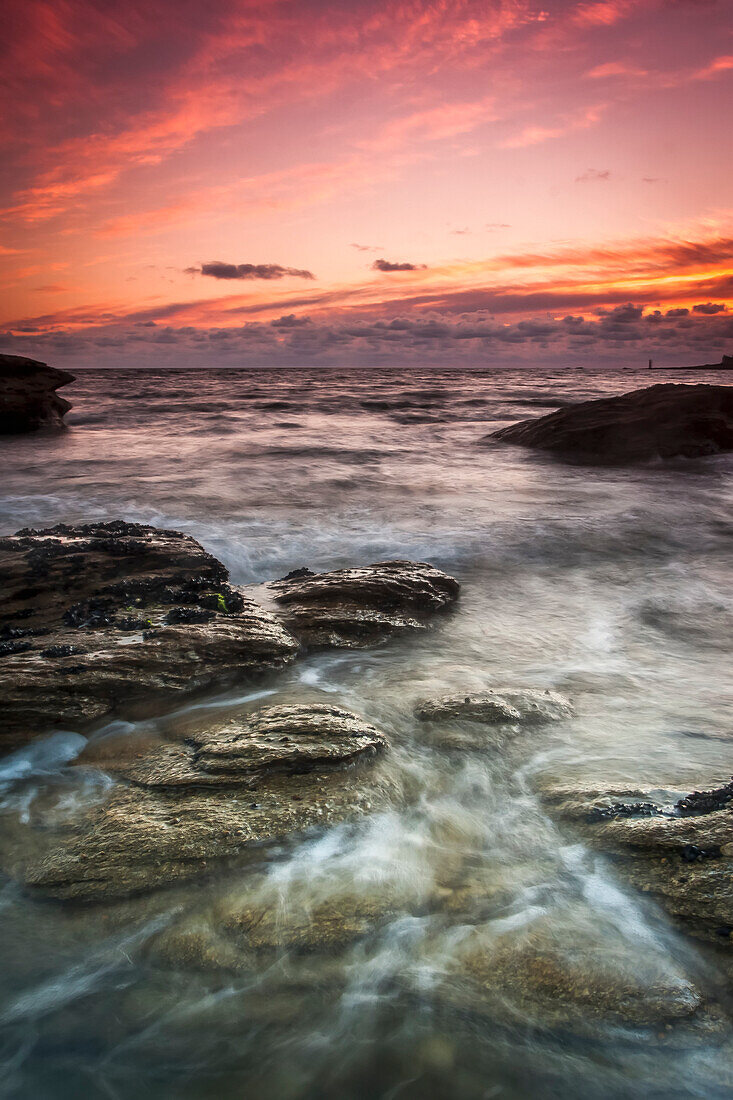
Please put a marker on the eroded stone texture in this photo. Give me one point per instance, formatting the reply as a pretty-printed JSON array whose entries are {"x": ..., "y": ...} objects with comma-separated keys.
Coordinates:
[
  {"x": 524, "y": 707},
  {"x": 359, "y": 607},
  {"x": 28, "y": 398},
  {"x": 658, "y": 422},
  {"x": 185, "y": 808},
  {"x": 543, "y": 980},
  {"x": 99, "y": 615},
  {"x": 287, "y": 740},
  {"x": 680, "y": 853}
]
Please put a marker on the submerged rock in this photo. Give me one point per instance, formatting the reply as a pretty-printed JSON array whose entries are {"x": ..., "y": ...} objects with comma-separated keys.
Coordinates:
[
  {"x": 186, "y": 807},
  {"x": 329, "y": 925},
  {"x": 491, "y": 707},
  {"x": 28, "y": 398},
  {"x": 680, "y": 853},
  {"x": 240, "y": 930},
  {"x": 661, "y": 421},
  {"x": 551, "y": 981},
  {"x": 359, "y": 607},
  {"x": 90, "y": 626}
]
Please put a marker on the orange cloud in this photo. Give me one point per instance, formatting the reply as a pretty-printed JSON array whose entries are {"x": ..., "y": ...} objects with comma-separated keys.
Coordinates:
[{"x": 218, "y": 87}]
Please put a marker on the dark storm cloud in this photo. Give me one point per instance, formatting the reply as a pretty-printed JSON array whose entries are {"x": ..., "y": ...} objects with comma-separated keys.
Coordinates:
[
  {"x": 709, "y": 308},
  {"x": 682, "y": 312},
  {"x": 388, "y": 265},
  {"x": 217, "y": 269}
]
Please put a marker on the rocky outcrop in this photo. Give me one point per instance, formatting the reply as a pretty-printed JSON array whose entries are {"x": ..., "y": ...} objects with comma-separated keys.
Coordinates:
[
  {"x": 278, "y": 740},
  {"x": 662, "y": 421},
  {"x": 184, "y": 808},
  {"x": 525, "y": 707},
  {"x": 360, "y": 607},
  {"x": 680, "y": 853},
  {"x": 98, "y": 616},
  {"x": 28, "y": 398}
]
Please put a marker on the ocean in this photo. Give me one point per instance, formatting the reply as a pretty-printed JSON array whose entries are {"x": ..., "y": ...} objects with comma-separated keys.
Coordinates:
[{"x": 608, "y": 584}]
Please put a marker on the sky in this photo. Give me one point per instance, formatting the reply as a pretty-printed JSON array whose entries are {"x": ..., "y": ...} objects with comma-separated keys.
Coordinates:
[{"x": 366, "y": 183}]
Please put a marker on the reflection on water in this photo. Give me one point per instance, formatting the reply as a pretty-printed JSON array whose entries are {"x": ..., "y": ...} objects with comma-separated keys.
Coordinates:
[{"x": 606, "y": 585}]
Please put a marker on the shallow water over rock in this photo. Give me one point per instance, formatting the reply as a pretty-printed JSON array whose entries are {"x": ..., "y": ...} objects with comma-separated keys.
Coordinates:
[{"x": 458, "y": 938}]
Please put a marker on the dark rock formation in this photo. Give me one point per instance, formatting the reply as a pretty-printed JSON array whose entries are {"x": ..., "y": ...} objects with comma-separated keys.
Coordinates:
[
  {"x": 681, "y": 853},
  {"x": 359, "y": 607},
  {"x": 28, "y": 398},
  {"x": 662, "y": 421},
  {"x": 183, "y": 808},
  {"x": 525, "y": 707},
  {"x": 97, "y": 616}
]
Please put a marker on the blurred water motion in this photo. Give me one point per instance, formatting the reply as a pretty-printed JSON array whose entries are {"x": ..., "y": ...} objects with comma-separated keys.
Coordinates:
[{"x": 611, "y": 586}]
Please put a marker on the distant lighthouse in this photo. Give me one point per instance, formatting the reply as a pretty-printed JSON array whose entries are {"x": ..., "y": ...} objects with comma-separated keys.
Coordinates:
[{"x": 650, "y": 364}]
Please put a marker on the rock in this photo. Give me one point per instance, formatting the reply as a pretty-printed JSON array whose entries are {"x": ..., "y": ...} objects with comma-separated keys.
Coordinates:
[
  {"x": 659, "y": 422},
  {"x": 186, "y": 808},
  {"x": 195, "y": 945},
  {"x": 278, "y": 740},
  {"x": 681, "y": 854},
  {"x": 87, "y": 616},
  {"x": 360, "y": 607},
  {"x": 233, "y": 937},
  {"x": 329, "y": 925},
  {"x": 28, "y": 398},
  {"x": 571, "y": 982},
  {"x": 496, "y": 707}
]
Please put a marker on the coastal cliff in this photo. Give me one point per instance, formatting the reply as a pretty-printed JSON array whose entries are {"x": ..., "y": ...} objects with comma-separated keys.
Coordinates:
[{"x": 28, "y": 398}]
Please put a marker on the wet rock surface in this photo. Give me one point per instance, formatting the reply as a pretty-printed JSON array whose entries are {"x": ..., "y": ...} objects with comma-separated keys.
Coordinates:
[
  {"x": 185, "y": 808},
  {"x": 680, "y": 852},
  {"x": 360, "y": 607},
  {"x": 245, "y": 751},
  {"x": 661, "y": 421},
  {"x": 525, "y": 707},
  {"x": 98, "y": 615},
  {"x": 540, "y": 980},
  {"x": 28, "y": 398}
]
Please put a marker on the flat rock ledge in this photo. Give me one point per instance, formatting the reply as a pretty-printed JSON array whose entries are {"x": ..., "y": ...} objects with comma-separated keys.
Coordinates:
[
  {"x": 182, "y": 809},
  {"x": 99, "y": 615},
  {"x": 28, "y": 398},
  {"x": 681, "y": 853},
  {"x": 663, "y": 421},
  {"x": 354, "y": 608},
  {"x": 496, "y": 707}
]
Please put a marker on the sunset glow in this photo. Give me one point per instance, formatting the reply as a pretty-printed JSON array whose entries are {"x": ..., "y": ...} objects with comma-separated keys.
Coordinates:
[{"x": 254, "y": 182}]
